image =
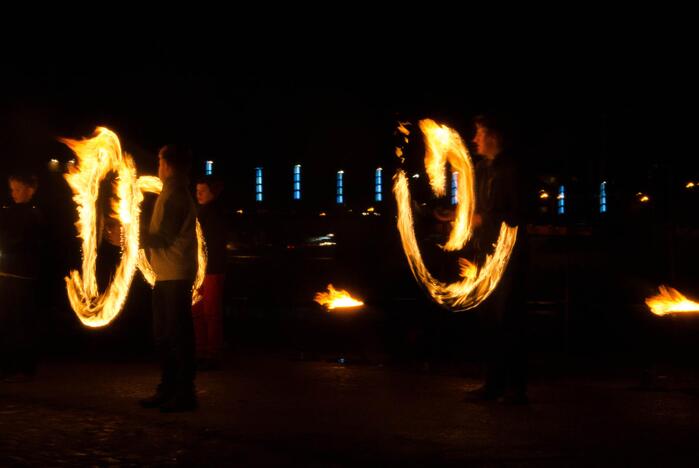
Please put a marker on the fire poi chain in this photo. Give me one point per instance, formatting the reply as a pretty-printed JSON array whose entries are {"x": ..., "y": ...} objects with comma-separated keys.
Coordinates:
[{"x": 97, "y": 157}]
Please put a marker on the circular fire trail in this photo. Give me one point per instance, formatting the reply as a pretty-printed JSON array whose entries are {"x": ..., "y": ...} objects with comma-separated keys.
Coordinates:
[
  {"x": 444, "y": 145},
  {"x": 97, "y": 157}
]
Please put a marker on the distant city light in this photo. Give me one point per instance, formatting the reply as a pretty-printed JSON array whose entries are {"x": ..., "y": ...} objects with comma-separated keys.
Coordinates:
[
  {"x": 378, "y": 184},
  {"x": 297, "y": 182},
  {"x": 258, "y": 184},
  {"x": 340, "y": 188},
  {"x": 561, "y": 200},
  {"x": 603, "y": 197}
]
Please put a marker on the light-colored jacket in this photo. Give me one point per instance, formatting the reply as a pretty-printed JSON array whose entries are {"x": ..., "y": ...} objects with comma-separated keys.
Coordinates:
[{"x": 171, "y": 238}]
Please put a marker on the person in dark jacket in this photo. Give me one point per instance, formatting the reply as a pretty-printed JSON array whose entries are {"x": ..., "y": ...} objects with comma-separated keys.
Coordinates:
[
  {"x": 501, "y": 196},
  {"x": 208, "y": 312},
  {"x": 21, "y": 234}
]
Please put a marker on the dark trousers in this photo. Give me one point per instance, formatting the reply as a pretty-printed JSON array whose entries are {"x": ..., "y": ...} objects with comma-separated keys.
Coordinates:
[
  {"x": 174, "y": 336},
  {"x": 17, "y": 325},
  {"x": 504, "y": 319}
]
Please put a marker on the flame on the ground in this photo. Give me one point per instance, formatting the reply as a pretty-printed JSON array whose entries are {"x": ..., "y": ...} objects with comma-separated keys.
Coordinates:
[
  {"x": 336, "y": 299},
  {"x": 478, "y": 282},
  {"x": 670, "y": 301},
  {"x": 97, "y": 157}
]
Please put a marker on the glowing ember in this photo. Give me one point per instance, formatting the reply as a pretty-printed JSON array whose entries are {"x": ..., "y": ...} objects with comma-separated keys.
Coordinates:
[
  {"x": 670, "y": 301},
  {"x": 336, "y": 299},
  {"x": 97, "y": 157},
  {"x": 445, "y": 145}
]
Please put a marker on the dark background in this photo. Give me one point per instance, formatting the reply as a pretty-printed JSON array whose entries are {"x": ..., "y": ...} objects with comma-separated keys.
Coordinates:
[{"x": 592, "y": 105}]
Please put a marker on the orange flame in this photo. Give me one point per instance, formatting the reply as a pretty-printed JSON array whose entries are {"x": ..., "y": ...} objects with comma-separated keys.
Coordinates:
[
  {"x": 670, "y": 301},
  {"x": 97, "y": 157},
  {"x": 445, "y": 145},
  {"x": 336, "y": 299}
]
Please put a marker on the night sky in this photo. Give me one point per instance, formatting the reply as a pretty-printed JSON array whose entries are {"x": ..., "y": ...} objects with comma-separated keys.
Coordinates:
[{"x": 617, "y": 108}]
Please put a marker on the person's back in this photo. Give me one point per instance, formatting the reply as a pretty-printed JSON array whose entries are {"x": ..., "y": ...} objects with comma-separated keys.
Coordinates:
[{"x": 173, "y": 255}]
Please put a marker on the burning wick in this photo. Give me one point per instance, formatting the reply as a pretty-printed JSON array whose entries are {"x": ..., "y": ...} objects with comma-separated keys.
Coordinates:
[{"x": 336, "y": 299}]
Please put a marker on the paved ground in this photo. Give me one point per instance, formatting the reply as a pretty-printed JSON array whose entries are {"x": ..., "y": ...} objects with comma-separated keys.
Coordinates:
[{"x": 266, "y": 410}]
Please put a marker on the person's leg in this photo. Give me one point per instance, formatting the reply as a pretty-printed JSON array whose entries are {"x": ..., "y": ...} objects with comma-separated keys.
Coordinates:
[
  {"x": 164, "y": 334},
  {"x": 25, "y": 350},
  {"x": 7, "y": 307},
  {"x": 495, "y": 362},
  {"x": 491, "y": 336},
  {"x": 515, "y": 360},
  {"x": 496, "y": 334},
  {"x": 183, "y": 343},
  {"x": 514, "y": 323},
  {"x": 174, "y": 332},
  {"x": 200, "y": 325},
  {"x": 214, "y": 316},
  {"x": 16, "y": 320}
]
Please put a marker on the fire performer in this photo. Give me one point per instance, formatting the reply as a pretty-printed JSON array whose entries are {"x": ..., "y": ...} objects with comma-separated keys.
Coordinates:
[
  {"x": 171, "y": 243},
  {"x": 501, "y": 192},
  {"x": 207, "y": 313},
  {"x": 20, "y": 249}
]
